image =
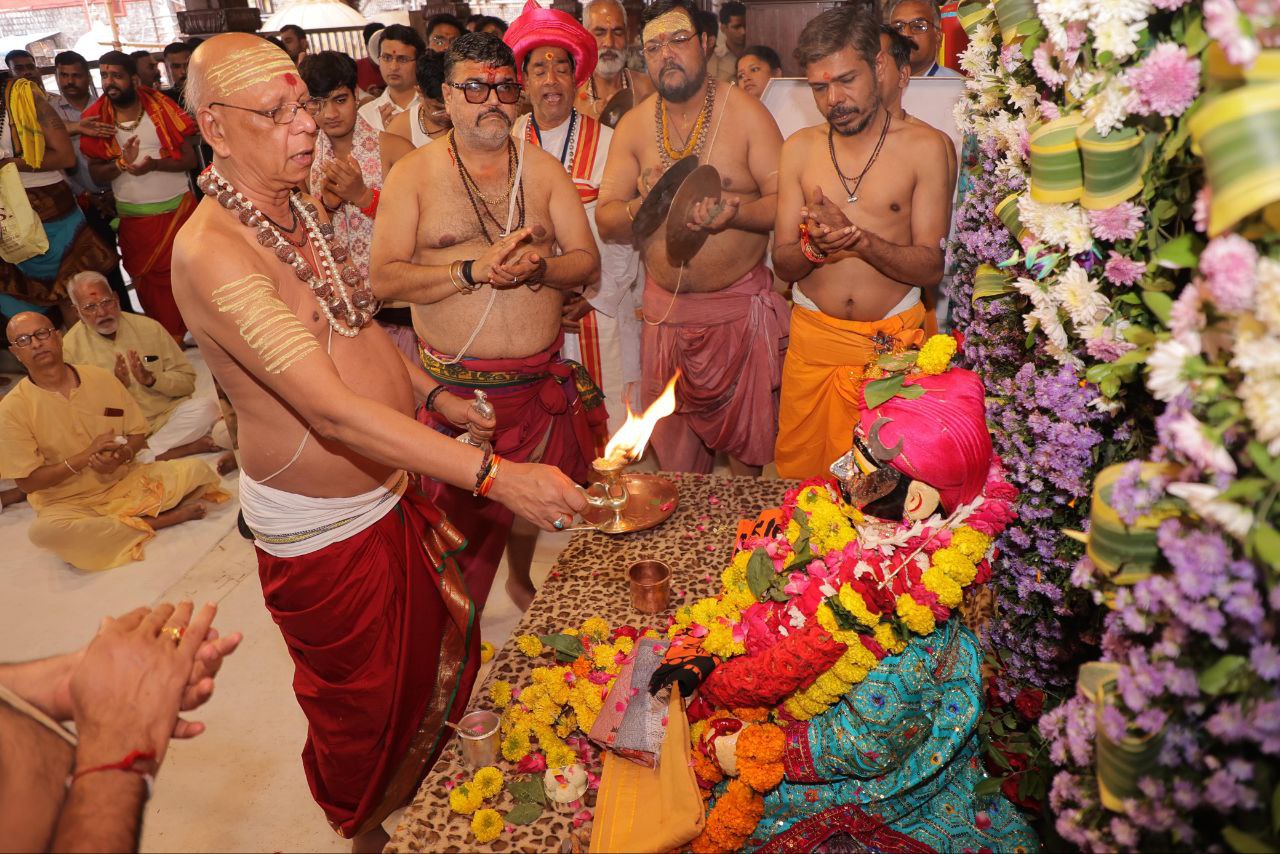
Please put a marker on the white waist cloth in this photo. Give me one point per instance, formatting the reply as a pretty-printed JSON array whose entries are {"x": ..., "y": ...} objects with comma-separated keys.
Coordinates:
[
  {"x": 912, "y": 297},
  {"x": 285, "y": 524}
]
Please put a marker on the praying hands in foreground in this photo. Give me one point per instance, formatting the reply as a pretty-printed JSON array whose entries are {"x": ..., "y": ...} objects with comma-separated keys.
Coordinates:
[{"x": 125, "y": 690}]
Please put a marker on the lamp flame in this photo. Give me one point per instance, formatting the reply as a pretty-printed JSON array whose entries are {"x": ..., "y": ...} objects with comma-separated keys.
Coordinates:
[{"x": 628, "y": 444}]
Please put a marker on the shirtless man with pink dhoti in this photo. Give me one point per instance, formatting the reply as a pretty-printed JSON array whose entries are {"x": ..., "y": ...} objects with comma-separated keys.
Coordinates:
[{"x": 716, "y": 318}]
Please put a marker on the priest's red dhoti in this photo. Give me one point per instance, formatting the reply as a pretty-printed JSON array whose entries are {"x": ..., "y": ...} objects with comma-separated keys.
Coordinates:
[
  {"x": 548, "y": 411},
  {"x": 385, "y": 648}
]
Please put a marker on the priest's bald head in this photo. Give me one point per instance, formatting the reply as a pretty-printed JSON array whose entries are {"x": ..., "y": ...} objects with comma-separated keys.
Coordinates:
[{"x": 253, "y": 109}]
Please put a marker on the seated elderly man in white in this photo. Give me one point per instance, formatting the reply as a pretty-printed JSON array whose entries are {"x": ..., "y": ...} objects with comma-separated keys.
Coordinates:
[{"x": 145, "y": 359}]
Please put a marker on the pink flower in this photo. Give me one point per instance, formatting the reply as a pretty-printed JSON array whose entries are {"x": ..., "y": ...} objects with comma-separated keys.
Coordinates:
[
  {"x": 581, "y": 817},
  {"x": 531, "y": 764},
  {"x": 1222, "y": 23},
  {"x": 1227, "y": 265},
  {"x": 1050, "y": 111},
  {"x": 1166, "y": 82},
  {"x": 1043, "y": 62},
  {"x": 1186, "y": 318},
  {"x": 1200, "y": 210},
  {"x": 1119, "y": 222},
  {"x": 1108, "y": 346},
  {"x": 1169, "y": 5},
  {"x": 797, "y": 583},
  {"x": 1123, "y": 271}
]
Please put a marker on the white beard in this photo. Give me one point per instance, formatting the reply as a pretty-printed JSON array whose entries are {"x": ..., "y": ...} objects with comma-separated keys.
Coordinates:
[{"x": 611, "y": 67}]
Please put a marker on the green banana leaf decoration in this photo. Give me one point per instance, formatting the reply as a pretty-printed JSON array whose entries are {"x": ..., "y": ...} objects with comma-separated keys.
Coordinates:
[
  {"x": 990, "y": 281},
  {"x": 1017, "y": 19},
  {"x": 1112, "y": 165},
  {"x": 972, "y": 14},
  {"x": 1120, "y": 764},
  {"x": 1007, "y": 211},
  {"x": 1056, "y": 168},
  {"x": 1236, "y": 134}
]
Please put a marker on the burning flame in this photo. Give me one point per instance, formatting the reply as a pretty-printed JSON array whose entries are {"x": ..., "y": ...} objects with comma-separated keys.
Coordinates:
[{"x": 627, "y": 445}]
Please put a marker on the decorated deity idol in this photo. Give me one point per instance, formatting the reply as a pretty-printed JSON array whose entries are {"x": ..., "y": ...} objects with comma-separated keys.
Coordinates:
[{"x": 838, "y": 692}]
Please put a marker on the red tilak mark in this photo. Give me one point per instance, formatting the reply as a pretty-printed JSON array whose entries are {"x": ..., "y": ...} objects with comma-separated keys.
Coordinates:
[
  {"x": 826, "y": 75},
  {"x": 491, "y": 75},
  {"x": 290, "y": 79}
]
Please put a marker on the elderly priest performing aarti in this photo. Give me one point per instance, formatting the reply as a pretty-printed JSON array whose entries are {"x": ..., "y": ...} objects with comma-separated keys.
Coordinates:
[{"x": 358, "y": 570}]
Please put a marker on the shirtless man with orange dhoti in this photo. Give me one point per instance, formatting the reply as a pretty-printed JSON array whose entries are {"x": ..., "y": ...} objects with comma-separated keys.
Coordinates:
[
  {"x": 358, "y": 570},
  {"x": 864, "y": 205},
  {"x": 716, "y": 318}
]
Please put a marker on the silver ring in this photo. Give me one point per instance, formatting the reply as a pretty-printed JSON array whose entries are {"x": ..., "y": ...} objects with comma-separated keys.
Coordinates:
[{"x": 558, "y": 524}]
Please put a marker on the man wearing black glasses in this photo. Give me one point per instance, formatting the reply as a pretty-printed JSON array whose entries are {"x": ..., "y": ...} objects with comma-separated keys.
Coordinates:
[
  {"x": 921, "y": 23},
  {"x": 398, "y": 50},
  {"x": 468, "y": 232}
]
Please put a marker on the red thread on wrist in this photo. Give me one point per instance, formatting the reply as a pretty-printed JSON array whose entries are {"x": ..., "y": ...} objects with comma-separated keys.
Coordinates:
[
  {"x": 127, "y": 763},
  {"x": 372, "y": 210}
]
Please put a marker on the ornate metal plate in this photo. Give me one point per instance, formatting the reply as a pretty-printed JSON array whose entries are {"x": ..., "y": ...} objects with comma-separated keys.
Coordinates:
[{"x": 653, "y": 499}]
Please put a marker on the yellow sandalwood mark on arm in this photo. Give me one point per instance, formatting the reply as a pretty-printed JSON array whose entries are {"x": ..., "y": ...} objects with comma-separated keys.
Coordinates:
[
  {"x": 265, "y": 322},
  {"x": 248, "y": 67}
]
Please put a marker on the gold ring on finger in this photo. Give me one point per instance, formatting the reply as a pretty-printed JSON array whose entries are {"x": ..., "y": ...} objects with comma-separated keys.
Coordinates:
[{"x": 174, "y": 633}]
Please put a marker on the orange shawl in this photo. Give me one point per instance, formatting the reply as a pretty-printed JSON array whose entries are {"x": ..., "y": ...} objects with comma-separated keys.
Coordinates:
[{"x": 173, "y": 125}]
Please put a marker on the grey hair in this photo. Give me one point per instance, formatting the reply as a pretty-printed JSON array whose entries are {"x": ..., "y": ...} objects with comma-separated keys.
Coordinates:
[
  {"x": 84, "y": 276},
  {"x": 934, "y": 14}
]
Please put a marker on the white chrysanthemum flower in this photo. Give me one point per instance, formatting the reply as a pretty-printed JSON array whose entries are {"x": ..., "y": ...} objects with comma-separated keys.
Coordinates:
[
  {"x": 1267, "y": 293},
  {"x": 1061, "y": 226},
  {"x": 1256, "y": 352},
  {"x": 1166, "y": 369},
  {"x": 1108, "y": 109},
  {"x": 1079, "y": 296},
  {"x": 1025, "y": 98},
  {"x": 1118, "y": 38},
  {"x": 1203, "y": 499},
  {"x": 1056, "y": 14},
  {"x": 1261, "y": 398},
  {"x": 1127, "y": 11}
]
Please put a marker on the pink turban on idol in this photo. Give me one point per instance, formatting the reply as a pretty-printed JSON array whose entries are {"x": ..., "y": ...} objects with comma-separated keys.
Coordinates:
[
  {"x": 537, "y": 27},
  {"x": 944, "y": 435}
]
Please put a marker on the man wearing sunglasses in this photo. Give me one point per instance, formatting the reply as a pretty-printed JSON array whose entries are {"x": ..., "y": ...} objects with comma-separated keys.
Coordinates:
[
  {"x": 398, "y": 48},
  {"x": 485, "y": 234},
  {"x": 355, "y": 562},
  {"x": 70, "y": 436},
  {"x": 921, "y": 23},
  {"x": 715, "y": 318},
  {"x": 145, "y": 161}
]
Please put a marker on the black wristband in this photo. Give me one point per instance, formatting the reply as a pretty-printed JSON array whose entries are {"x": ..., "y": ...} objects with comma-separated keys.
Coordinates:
[
  {"x": 466, "y": 272},
  {"x": 430, "y": 405}
]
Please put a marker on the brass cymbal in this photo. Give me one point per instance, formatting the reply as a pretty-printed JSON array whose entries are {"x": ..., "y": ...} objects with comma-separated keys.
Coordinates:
[
  {"x": 655, "y": 206},
  {"x": 683, "y": 242},
  {"x": 622, "y": 100}
]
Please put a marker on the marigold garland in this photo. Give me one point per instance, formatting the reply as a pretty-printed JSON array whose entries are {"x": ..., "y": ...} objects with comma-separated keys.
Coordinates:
[{"x": 738, "y": 810}]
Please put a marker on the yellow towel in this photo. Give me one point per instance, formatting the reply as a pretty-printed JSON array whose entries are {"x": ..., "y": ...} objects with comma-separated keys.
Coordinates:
[
  {"x": 650, "y": 809},
  {"x": 25, "y": 122}
]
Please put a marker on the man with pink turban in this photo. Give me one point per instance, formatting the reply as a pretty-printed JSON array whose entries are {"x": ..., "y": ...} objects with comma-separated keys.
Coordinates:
[{"x": 555, "y": 55}]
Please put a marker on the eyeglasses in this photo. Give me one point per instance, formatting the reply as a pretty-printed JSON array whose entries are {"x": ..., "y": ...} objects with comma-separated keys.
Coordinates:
[
  {"x": 397, "y": 60},
  {"x": 95, "y": 307},
  {"x": 441, "y": 41},
  {"x": 915, "y": 25},
  {"x": 283, "y": 114},
  {"x": 477, "y": 93},
  {"x": 652, "y": 50},
  {"x": 23, "y": 341}
]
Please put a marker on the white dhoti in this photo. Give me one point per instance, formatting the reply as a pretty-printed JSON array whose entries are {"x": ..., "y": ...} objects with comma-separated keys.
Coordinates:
[{"x": 190, "y": 420}]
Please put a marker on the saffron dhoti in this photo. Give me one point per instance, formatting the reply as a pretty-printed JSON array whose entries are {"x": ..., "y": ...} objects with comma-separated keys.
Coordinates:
[
  {"x": 822, "y": 383},
  {"x": 382, "y": 635},
  {"x": 548, "y": 411},
  {"x": 729, "y": 347}
]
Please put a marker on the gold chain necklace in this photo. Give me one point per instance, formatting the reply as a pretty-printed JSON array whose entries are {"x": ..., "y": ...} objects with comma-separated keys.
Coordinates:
[{"x": 697, "y": 135}]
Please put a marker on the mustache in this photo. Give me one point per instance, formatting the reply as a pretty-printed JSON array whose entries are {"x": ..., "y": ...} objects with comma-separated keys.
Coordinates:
[
  {"x": 609, "y": 54},
  {"x": 670, "y": 65},
  {"x": 493, "y": 111},
  {"x": 842, "y": 112}
]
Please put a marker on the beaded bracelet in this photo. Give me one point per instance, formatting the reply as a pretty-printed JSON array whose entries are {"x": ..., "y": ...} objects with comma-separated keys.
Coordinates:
[
  {"x": 430, "y": 404},
  {"x": 482, "y": 474},
  {"x": 811, "y": 253}
]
